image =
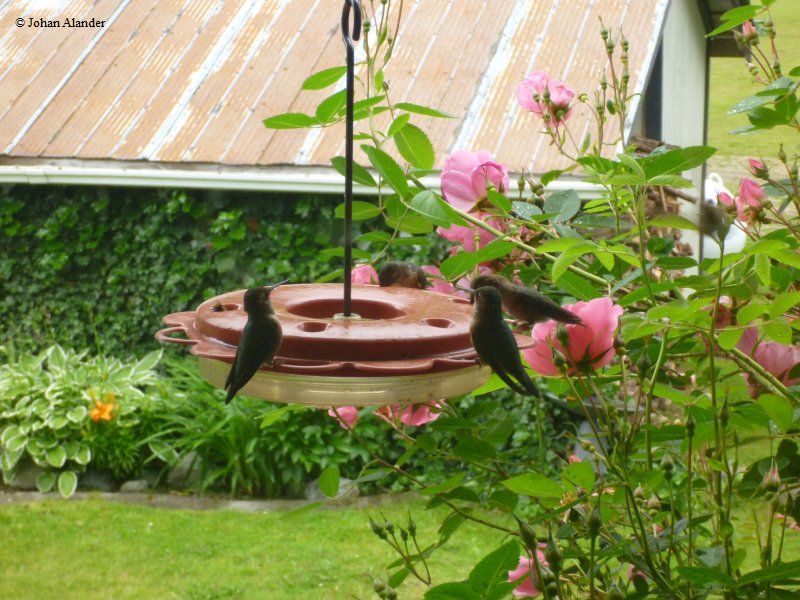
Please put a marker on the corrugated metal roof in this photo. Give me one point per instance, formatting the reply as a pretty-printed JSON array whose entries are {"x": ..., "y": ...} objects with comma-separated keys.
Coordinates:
[{"x": 187, "y": 83}]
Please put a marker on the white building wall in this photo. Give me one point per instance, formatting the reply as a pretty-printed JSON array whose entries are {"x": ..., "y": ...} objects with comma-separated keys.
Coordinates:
[{"x": 684, "y": 76}]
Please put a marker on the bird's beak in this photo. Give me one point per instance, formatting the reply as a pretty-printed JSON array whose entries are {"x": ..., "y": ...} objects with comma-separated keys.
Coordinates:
[
  {"x": 272, "y": 287},
  {"x": 471, "y": 293}
]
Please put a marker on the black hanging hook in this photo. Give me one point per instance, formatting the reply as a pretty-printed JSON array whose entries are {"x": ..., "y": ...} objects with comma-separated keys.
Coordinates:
[{"x": 348, "y": 152}]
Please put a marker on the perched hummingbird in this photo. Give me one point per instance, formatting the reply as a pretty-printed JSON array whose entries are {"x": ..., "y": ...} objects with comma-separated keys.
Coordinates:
[
  {"x": 397, "y": 273},
  {"x": 494, "y": 342},
  {"x": 261, "y": 338},
  {"x": 524, "y": 303}
]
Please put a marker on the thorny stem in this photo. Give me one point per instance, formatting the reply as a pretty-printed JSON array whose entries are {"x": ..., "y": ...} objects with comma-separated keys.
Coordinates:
[{"x": 662, "y": 354}]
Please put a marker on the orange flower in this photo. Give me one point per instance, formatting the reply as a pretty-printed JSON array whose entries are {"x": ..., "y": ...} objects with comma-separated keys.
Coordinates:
[{"x": 102, "y": 411}]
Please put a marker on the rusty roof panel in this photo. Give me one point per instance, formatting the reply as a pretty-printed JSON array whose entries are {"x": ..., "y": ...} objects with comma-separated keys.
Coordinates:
[{"x": 189, "y": 81}]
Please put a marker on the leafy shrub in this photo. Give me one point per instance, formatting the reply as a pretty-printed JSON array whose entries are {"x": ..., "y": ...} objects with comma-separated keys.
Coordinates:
[{"x": 64, "y": 410}]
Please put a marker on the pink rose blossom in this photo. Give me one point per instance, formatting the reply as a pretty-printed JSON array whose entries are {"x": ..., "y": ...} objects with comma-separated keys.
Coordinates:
[
  {"x": 591, "y": 343},
  {"x": 466, "y": 235},
  {"x": 750, "y": 193},
  {"x": 413, "y": 415},
  {"x": 347, "y": 417},
  {"x": 749, "y": 30},
  {"x": 758, "y": 168},
  {"x": 364, "y": 274},
  {"x": 467, "y": 175},
  {"x": 437, "y": 282},
  {"x": 526, "y": 569},
  {"x": 573, "y": 459},
  {"x": 531, "y": 92},
  {"x": 726, "y": 199},
  {"x": 776, "y": 358}
]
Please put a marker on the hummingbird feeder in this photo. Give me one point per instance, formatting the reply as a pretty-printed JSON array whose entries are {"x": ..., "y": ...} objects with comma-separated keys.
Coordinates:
[{"x": 344, "y": 344}]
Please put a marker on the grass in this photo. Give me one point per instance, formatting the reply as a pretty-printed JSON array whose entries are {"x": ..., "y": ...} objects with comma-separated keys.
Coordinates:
[
  {"x": 96, "y": 549},
  {"x": 730, "y": 82}
]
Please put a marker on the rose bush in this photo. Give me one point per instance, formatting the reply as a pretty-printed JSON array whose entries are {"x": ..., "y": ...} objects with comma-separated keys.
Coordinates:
[{"x": 677, "y": 361}]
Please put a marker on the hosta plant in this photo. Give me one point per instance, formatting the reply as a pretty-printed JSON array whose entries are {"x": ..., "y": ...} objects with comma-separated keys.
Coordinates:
[{"x": 55, "y": 406}]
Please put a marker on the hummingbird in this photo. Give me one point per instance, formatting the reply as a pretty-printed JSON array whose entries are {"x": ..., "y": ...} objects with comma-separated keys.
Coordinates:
[
  {"x": 493, "y": 341},
  {"x": 397, "y": 273},
  {"x": 524, "y": 303},
  {"x": 261, "y": 338}
]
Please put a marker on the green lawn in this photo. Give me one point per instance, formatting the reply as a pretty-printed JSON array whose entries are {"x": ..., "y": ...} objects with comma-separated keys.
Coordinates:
[
  {"x": 96, "y": 549},
  {"x": 730, "y": 82}
]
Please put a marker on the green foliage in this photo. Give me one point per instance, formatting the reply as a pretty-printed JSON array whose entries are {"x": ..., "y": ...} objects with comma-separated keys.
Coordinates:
[{"x": 48, "y": 413}]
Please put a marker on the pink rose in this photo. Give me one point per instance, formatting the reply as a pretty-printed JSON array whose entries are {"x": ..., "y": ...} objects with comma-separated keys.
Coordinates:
[
  {"x": 413, "y": 415},
  {"x": 749, "y": 30},
  {"x": 467, "y": 175},
  {"x": 591, "y": 343},
  {"x": 758, "y": 168},
  {"x": 776, "y": 358},
  {"x": 532, "y": 97},
  {"x": 364, "y": 274},
  {"x": 466, "y": 235},
  {"x": 347, "y": 417},
  {"x": 726, "y": 199},
  {"x": 437, "y": 282},
  {"x": 779, "y": 359},
  {"x": 527, "y": 569}
]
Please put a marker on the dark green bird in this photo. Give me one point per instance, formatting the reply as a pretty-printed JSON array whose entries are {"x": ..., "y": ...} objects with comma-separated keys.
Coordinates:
[
  {"x": 493, "y": 341},
  {"x": 524, "y": 303},
  {"x": 396, "y": 273},
  {"x": 261, "y": 338}
]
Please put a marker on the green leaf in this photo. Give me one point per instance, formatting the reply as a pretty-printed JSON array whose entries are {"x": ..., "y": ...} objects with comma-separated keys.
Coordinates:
[
  {"x": 735, "y": 17},
  {"x": 445, "y": 486},
  {"x": 525, "y": 210},
  {"x": 728, "y": 338},
  {"x": 330, "y": 107},
  {"x": 422, "y": 110},
  {"x": 579, "y": 474},
  {"x": 429, "y": 205},
  {"x": 56, "y": 456},
  {"x": 276, "y": 415},
  {"x": 790, "y": 257},
  {"x": 374, "y": 236},
  {"x": 775, "y": 573},
  {"x": 500, "y": 200},
  {"x": 83, "y": 455},
  {"x": 163, "y": 451},
  {"x": 494, "y": 250},
  {"x": 704, "y": 575},
  {"x": 779, "y": 409},
  {"x": 494, "y": 567},
  {"x": 67, "y": 483},
  {"x": 673, "y": 221},
  {"x": 453, "y": 591},
  {"x": 676, "y": 262},
  {"x": 565, "y": 203},
  {"x": 783, "y": 303},
  {"x": 763, "y": 269},
  {"x": 560, "y": 244},
  {"x": 400, "y": 122},
  {"x": 45, "y": 481},
  {"x": 329, "y": 481},
  {"x": 361, "y": 210},
  {"x": 778, "y": 331},
  {"x": 415, "y": 146},
  {"x": 568, "y": 257},
  {"x": 290, "y": 121},
  {"x": 323, "y": 79},
  {"x": 534, "y": 484},
  {"x": 388, "y": 168},
  {"x": 458, "y": 264},
  {"x": 473, "y": 450},
  {"x": 578, "y": 287},
  {"x": 360, "y": 174},
  {"x": 676, "y": 161},
  {"x": 550, "y": 176}
]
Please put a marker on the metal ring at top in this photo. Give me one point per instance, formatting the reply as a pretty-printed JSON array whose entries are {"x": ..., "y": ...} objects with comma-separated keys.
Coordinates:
[{"x": 348, "y": 38}]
